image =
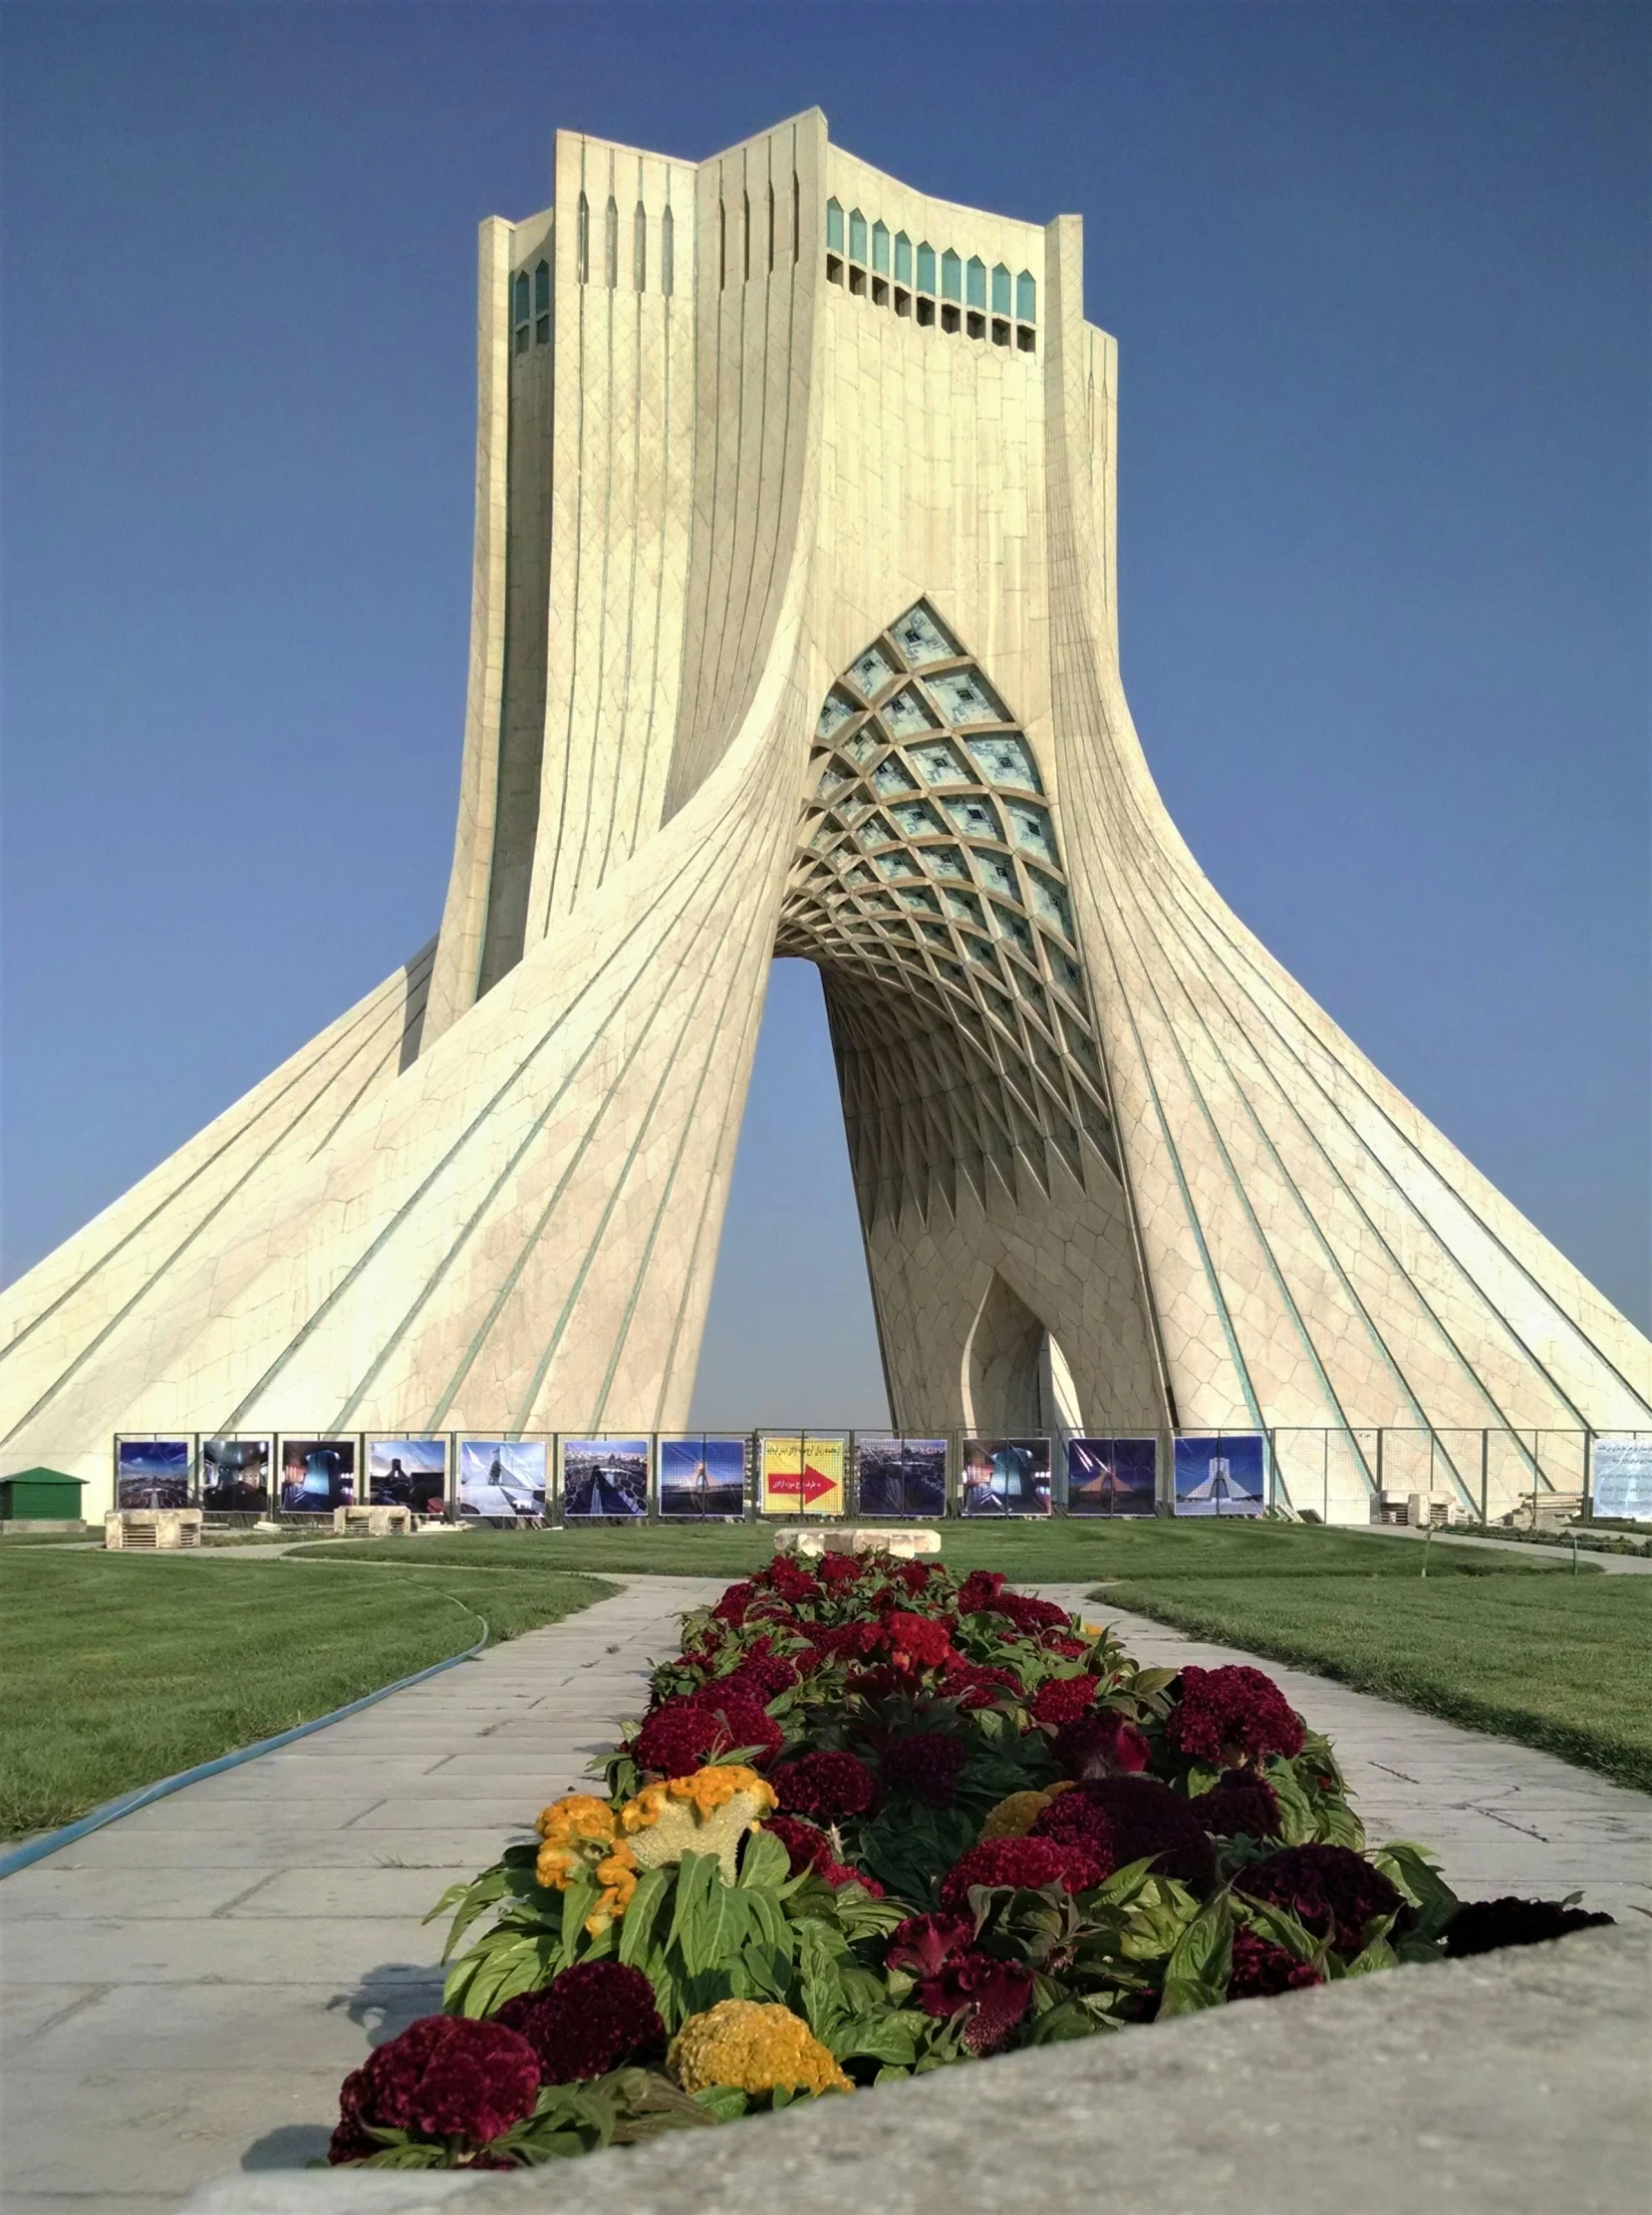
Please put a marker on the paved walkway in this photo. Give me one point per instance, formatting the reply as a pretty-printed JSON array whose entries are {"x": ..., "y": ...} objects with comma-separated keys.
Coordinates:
[
  {"x": 184, "y": 1990},
  {"x": 1502, "y": 1817}
]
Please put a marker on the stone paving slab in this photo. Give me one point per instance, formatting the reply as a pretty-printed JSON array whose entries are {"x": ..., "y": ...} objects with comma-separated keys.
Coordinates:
[
  {"x": 1502, "y": 1817},
  {"x": 184, "y": 1990}
]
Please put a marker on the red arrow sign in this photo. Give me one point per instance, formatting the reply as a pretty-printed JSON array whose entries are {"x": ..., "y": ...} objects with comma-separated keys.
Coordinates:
[{"x": 805, "y": 1489}]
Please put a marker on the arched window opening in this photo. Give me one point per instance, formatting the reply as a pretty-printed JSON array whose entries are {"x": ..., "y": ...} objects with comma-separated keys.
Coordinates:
[
  {"x": 952, "y": 276},
  {"x": 975, "y": 287},
  {"x": 521, "y": 310},
  {"x": 524, "y": 310},
  {"x": 834, "y": 225},
  {"x": 582, "y": 242},
  {"x": 926, "y": 267},
  {"x": 857, "y": 236},
  {"x": 668, "y": 254},
  {"x": 902, "y": 258},
  {"x": 879, "y": 249},
  {"x": 1001, "y": 290},
  {"x": 640, "y": 248},
  {"x": 542, "y": 304},
  {"x": 1026, "y": 297},
  {"x": 611, "y": 245}
]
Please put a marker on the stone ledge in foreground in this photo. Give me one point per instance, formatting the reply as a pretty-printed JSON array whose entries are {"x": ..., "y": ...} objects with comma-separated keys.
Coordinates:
[{"x": 1511, "y": 2082}]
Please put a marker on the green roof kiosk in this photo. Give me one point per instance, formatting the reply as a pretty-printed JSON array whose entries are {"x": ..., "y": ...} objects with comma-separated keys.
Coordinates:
[{"x": 36, "y": 1499}]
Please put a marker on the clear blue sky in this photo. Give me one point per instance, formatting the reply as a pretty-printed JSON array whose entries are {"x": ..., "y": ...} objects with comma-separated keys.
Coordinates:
[{"x": 1379, "y": 278}]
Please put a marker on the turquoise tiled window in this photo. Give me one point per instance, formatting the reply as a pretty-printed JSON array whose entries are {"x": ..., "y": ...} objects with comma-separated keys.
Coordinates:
[
  {"x": 976, "y": 286},
  {"x": 834, "y": 225},
  {"x": 857, "y": 236},
  {"x": 925, "y": 268},
  {"x": 952, "y": 276},
  {"x": 902, "y": 258},
  {"x": 1001, "y": 290},
  {"x": 1026, "y": 297},
  {"x": 879, "y": 249}
]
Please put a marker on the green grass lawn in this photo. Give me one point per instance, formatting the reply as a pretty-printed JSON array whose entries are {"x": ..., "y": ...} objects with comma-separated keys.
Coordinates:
[
  {"x": 1061, "y": 1550},
  {"x": 1556, "y": 1662},
  {"x": 119, "y": 1670}
]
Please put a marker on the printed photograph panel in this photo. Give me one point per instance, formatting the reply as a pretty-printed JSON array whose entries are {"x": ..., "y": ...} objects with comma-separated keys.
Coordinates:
[
  {"x": 1006, "y": 1476},
  {"x": 153, "y": 1471},
  {"x": 407, "y": 1473},
  {"x": 316, "y": 1475},
  {"x": 603, "y": 1477},
  {"x": 903, "y": 1478},
  {"x": 1112, "y": 1476},
  {"x": 1223, "y": 1474},
  {"x": 235, "y": 1475},
  {"x": 702, "y": 1478},
  {"x": 503, "y": 1480}
]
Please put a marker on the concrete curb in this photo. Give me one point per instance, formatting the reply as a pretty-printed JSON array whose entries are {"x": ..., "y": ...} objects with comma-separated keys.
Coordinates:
[{"x": 1509, "y": 2083}]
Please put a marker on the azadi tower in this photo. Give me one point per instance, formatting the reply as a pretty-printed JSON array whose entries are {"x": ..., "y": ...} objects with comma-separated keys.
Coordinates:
[{"x": 793, "y": 630}]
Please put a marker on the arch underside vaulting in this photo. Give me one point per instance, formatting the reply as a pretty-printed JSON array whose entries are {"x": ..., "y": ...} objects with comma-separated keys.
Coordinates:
[{"x": 930, "y": 889}]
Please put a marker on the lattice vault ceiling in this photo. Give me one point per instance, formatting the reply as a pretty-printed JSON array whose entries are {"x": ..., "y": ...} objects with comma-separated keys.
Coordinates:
[{"x": 930, "y": 889}]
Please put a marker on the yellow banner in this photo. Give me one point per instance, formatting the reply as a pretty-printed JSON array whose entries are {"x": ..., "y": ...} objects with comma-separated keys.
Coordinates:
[{"x": 800, "y": 1473}]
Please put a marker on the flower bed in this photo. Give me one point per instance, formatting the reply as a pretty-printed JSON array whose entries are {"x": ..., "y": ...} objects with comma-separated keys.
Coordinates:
[{"x": 879, "y": 1820}]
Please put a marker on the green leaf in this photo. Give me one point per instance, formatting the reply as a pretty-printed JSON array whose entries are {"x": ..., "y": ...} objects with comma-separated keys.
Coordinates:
[
  {"x": 1412, "y": 1868},
  {"x": 820, "y": 1987},
  {"x": 764, "y": 1861},
  {"x": 1197, "y": 1974},
  {"x": 637, "y": 1924},
  {"x": 722, "y": 2101}
]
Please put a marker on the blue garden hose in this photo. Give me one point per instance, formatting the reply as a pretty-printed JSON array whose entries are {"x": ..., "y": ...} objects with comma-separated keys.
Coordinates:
[{"x": 54, "y": 1841}]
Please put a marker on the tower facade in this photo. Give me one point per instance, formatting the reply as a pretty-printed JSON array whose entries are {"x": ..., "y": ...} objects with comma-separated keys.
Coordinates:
[{"x": 794, "y": 628}]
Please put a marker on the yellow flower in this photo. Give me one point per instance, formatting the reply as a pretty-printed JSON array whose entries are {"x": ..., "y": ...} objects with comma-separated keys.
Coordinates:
[
  {"x": 1014, "y": 1817},
  {"x": 755, "y": 2047},
  {"x": 577, "y": 1814},
  {"x": 581, "y": 1834},
  {"x": 707, "y": 1812}
]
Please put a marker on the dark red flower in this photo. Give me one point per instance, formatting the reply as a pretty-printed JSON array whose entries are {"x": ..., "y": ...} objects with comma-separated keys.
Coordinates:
[
  {"x": 1233, "y": 1715},
  {"x": 997, "y": 1994},
  {"x": 680, "y": 1736},
  {"x": 979, "y": 1589},
  {"x": 1100, "y": 1744},
  {"x": 736, "y": 1603},
  {"x": 1030, "y": 1616},
  {"x": 445, "y": 2076},
  {"x": 1075, "y": 1819},
  {"x": 1261, "y": 1970},
  {"x": 1330, "y": 1890},
  {"x": 1481, "y": 1926},
  {"x": 831, "y": 1785},
  {"x": 838, "y": 1568},
  {"x": 788, "y": 1580},
  {"x": 1062, "y": 1700},
  {"x": 914, "y": 1641},
  {"x": 922, "y": 1943},
  {"x": 1145, "y": 1820},
  {"x": 840, "y": 1872},
  {"x": 1027, "y": 1863},
  {"x": 1069, "y": 1649},
  {"x": 761, "y": 1676},
  {"x": 1241, "y": 1803},
  {"x": 592, "y": 2018},
  {"x": 911, "y": 1576},
  {"x": 926, "y": 1764},
  {"x": 806, "y": 1847},
  {"x": 976, "y": 1684}
]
